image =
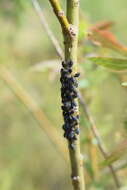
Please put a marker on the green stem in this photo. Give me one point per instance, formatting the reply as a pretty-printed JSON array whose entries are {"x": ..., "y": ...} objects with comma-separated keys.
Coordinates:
[
  {"x": 71, "y": 54},
  {"x": 61, "y": 17}
]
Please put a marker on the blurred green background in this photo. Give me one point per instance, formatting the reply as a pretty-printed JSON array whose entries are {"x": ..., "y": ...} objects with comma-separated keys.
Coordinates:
[{"x": 28, "y": 159}]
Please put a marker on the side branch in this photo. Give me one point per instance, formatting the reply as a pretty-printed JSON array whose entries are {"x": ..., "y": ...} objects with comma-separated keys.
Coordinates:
[
  {"x": 98, "y": 138},
  {"x": 66, "y": 27}
]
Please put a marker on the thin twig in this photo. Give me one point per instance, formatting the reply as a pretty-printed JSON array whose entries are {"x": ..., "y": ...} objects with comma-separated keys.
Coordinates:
[
  {"x": 98, "y": 138},
  {"x": 47, "y": 29},
  {"x": 117, "y": 167},
  {"x": 37, "y": 113}
]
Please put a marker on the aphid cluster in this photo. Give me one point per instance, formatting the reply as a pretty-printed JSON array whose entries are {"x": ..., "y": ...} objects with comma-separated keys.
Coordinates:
[{"x": 69, "y": 93}]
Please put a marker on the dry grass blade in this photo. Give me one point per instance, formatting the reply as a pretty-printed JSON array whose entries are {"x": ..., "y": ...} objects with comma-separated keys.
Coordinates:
[{"x": 37, "y": 113}]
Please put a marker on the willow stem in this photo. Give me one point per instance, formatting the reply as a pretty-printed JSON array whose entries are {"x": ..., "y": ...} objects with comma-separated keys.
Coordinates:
[
  {"x": 71, "y": 54},
  {"x": 61, "y": 17}
]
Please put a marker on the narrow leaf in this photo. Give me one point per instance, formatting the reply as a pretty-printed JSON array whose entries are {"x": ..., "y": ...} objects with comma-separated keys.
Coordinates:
[
  {"x": 100, "y": 35},
  {"x": 110, "y": 63}
]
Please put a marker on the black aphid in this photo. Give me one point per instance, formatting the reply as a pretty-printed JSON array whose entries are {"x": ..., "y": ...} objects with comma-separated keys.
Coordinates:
[
  {"x": 70, "y": 63},
  {"x": 77, "y": 131},
  {"x": 77, "y": 75},
  {"x": 69, "y": 92}
]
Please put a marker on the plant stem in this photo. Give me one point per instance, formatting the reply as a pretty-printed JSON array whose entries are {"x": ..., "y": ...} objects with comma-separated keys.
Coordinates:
[
  {"x": 71, "y": 54},
  {"x": 61, "y": 17},
  {"x": 98, "y": 139}
]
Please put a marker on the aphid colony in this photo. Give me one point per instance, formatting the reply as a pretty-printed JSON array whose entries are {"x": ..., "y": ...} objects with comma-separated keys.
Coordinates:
[{"x": 69, "y": 93}]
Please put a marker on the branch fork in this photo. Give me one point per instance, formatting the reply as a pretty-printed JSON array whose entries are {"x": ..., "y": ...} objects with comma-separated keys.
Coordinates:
[{"x": 66, "y": 26}]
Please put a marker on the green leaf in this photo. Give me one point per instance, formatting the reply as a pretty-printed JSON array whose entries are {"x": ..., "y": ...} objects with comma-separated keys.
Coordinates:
[{"x": 110, "y": 63}]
